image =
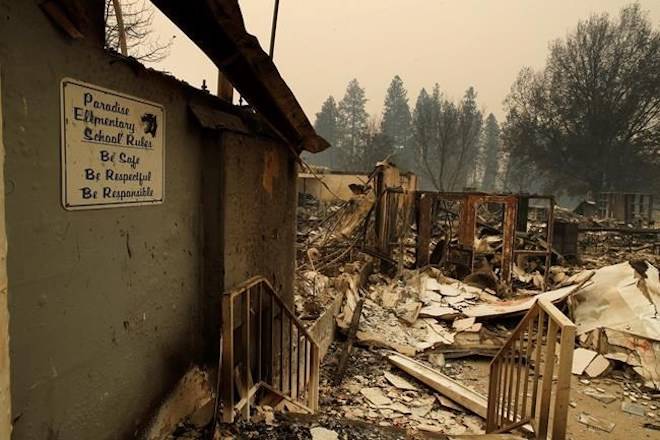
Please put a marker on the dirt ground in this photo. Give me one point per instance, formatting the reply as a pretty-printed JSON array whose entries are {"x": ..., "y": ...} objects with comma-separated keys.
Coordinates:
[
  {"x": 474, "y": 372},
  {"x": 627, "y": 425}
]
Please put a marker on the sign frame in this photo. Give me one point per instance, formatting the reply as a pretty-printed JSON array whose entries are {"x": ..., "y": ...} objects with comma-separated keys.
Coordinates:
[{"x": 63, "y": 148}]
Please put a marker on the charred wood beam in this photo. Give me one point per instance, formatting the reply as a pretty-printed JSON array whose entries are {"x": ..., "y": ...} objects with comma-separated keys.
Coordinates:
[{"x": 348, "y": 345}]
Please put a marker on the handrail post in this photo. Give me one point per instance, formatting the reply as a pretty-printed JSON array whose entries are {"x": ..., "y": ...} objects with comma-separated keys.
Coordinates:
[
  {"x": 315, "y": 363},
  {"x": 546, "y": 386},
  {"x": 562, "y": 394},
  {"x": 492, "y": 391},
  {"x": 535, "y": 336},
  {"x": 247, "y": 348},
  {"x": 227, "y": 359}
]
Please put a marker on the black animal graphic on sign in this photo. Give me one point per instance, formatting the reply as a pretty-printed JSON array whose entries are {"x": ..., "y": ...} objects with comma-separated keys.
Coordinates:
[{"x": 150, "y": 124}]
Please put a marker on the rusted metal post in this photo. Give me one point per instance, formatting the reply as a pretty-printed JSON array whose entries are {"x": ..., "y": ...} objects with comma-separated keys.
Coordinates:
[
  {"x": 387, "y": 177},
  {"x": 466, "y": 221},
  {"x": 509, "y": 237},
  {"x": 424, "y": 209},
  {"x": 273, "y": 29},
  {"x": 549, "y": 239},
  {"x": 225, "y": 88}
]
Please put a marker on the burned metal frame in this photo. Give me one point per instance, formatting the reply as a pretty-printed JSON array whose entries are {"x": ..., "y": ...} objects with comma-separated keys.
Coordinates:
[
  {"x": 547, "y": 253},
  {"x": 424, "y": 202},
  {"x": 469, "y": 204}
]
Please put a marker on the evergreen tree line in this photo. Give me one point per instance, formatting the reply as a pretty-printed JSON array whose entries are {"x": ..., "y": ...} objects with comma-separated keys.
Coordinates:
[
  {"x": 446, "y": 143},
  {"x": 589, "y": 121}
]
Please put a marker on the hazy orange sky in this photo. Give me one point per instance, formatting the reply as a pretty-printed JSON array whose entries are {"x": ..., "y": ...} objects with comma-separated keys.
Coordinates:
[{"x": 323, "y": 44}]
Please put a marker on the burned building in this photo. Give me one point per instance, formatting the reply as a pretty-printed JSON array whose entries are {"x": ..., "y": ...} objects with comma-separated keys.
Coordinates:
[{"x": 132, "y": 201}]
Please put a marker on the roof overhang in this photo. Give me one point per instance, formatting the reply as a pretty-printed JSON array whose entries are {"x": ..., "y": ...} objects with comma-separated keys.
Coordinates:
[{"x": 217, "y": 27}]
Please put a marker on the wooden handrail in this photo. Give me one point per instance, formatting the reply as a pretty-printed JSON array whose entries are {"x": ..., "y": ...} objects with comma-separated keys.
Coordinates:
[
  {"x": 260, "y": 279},
  {"x": 556, "y": 314},
  {"x": 259, "y": 362},
  {"x": 531, "y": 349}
]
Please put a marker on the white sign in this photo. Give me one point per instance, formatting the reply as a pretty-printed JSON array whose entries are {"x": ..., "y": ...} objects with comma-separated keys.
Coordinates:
[{"x": 112, "y": 148}]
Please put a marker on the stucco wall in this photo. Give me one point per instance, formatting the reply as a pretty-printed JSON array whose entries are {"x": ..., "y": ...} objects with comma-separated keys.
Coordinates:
[
  {"x": 338, "y": 184},
  {"x": 259, "y": 213},
  {"x": 109, "y": 307}
]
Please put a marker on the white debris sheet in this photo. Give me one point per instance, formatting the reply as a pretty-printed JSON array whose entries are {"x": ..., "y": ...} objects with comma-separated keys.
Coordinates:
[
  {"x": 415, "y": 314},
  {"x": 617, "y": 313}
]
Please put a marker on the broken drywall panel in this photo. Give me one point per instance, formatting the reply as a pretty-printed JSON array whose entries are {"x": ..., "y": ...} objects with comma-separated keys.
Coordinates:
[
  {"x": 376, "y": 396},
  {"x": 518, "y": 306},
  {"x": 596, "y": 423},
  {"x": 599, "y": 366},
  {"x": 463, "y": 324},
  {"x": 600, "y": 396},
  {"x": 437, "y": 311},
  {"x": 618, "y": 312},
  {"x": 633, "y": 408},
  {"x": 641, "y": 353},
  {"x": 399, "y": 382},
  {"x": 620, "y": 298},
  {"x": 444, "y": 385},
  {"x": 581, "y": 360}
]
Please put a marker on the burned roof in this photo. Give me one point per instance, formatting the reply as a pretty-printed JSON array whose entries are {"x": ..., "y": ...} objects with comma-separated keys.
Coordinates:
[{"x": 217, "y": 27}]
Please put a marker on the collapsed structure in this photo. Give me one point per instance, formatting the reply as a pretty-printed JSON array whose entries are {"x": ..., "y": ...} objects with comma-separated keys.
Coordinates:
[{"x": 436, "y": 291}]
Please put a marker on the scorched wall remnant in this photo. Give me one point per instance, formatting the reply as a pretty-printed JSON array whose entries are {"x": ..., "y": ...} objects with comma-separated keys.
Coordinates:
[{"x": 110, "y": 306}]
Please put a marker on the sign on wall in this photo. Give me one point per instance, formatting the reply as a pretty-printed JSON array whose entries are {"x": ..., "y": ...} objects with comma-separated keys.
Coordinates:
[{"x": 112, "y": 148}]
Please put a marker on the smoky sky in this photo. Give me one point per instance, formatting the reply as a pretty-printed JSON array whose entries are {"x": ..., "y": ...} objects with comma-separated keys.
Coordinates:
[{"x": 322, "y": 44}]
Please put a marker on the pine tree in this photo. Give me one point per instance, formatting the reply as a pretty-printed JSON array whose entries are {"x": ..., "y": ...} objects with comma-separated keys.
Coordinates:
[
  {"x": 424, "y": 135},
  {"x": 396, "y": 120},
  {"x": 446, "y": 139},
  {"x": 353, "y": 120},
  {"x": 378, "y": 146},
  {"x": 327, "y": 121},
  {"x": 491, "y": 152},
  {"x": 327, "y": 126},
  {"x": 469, "y": 133}
]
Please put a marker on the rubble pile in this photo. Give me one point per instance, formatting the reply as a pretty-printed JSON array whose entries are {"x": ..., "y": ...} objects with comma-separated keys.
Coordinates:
[
  {"x": 378, "y": 393},
  {"x": 448, "y": 320},
  {"x": 328, "y": 232},
  {"x": 268, "y": 426},
  {"x": 327, "y": 248},
  {"x": 618, "y": 316},
  {"x": 435, "y": 319},
  {"x": 427, "y": 310},
  {"x": 603, "y": 248}
]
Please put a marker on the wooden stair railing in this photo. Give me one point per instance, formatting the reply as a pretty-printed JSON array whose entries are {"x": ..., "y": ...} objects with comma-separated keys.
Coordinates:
[
  {"x": 522, "y": 391},
  {"x": 265, "y": 350}
]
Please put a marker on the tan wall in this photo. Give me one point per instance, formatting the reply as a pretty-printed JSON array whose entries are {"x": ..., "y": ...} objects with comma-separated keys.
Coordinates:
[
  {"x": 338, "y": 184},
  {"x": 110, "y": 307}
]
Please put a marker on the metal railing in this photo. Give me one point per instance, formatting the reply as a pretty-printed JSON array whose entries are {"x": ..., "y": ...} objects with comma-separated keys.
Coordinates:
[
  {"x": 522, "y": 390},
  {"x": 266, "y": 350}
]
